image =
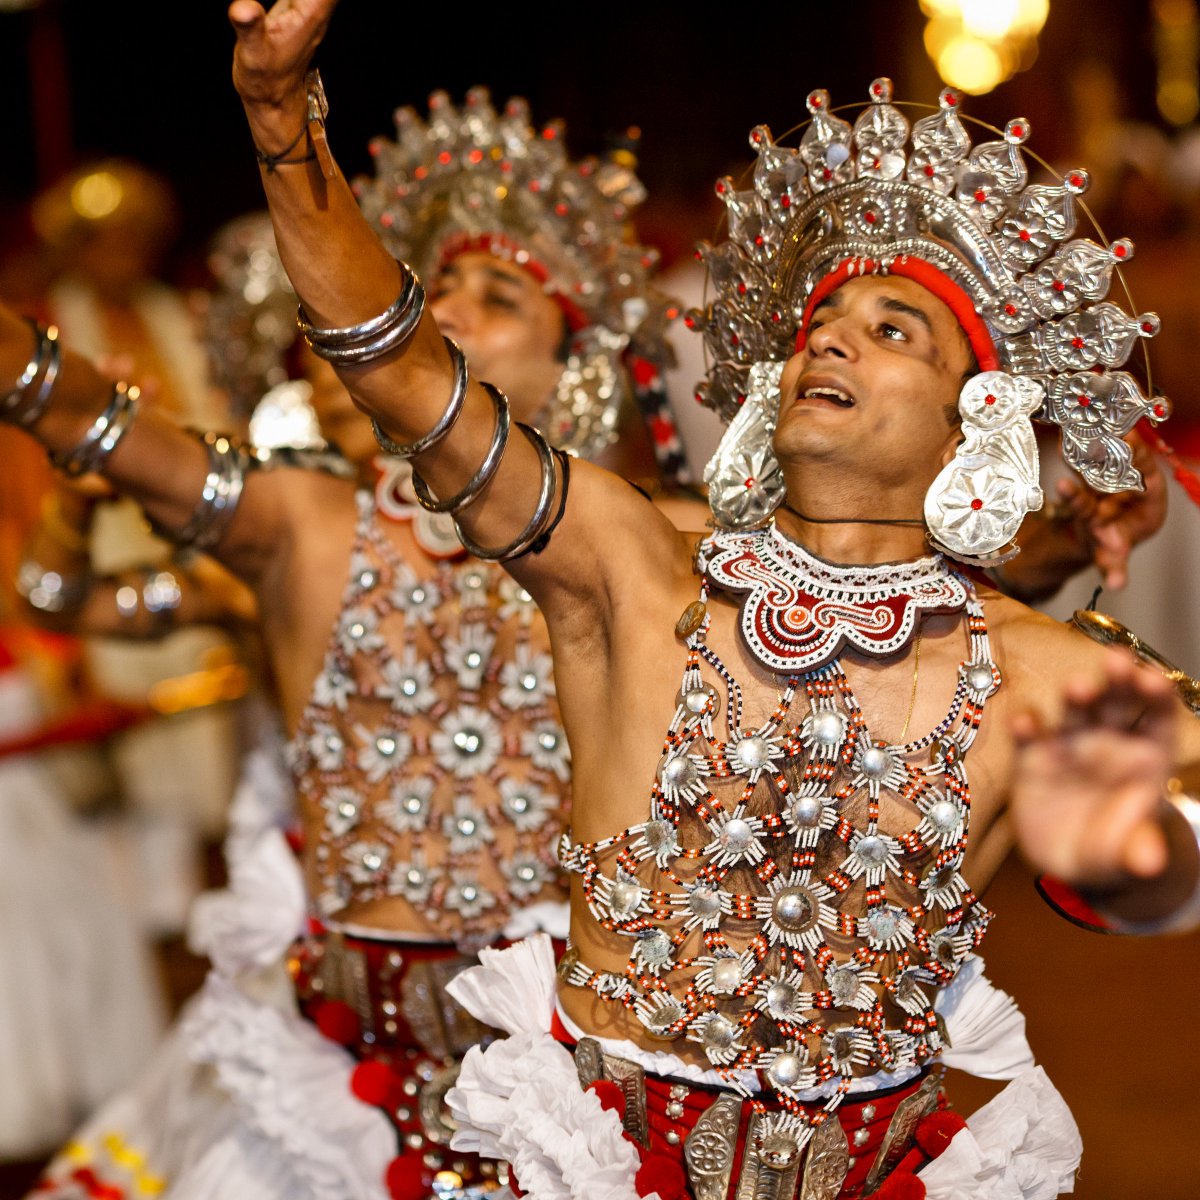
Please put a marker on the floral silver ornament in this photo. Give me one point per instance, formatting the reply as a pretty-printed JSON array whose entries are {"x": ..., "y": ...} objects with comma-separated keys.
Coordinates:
[{"x": 977, "y": 502}]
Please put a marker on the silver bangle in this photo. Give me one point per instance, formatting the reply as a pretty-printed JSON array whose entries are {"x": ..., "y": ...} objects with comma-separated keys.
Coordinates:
[
  {"x": 104, "y": 435},
  {"x": 541, "y": 513},
  {"x": 18, "y": 406},
  {"x": 445, "y": 422},
  {"x": 354, "y": 345},
  {"x": 50, "y": 591},
  {"x": 219, "y": 497},
  {"x": 483, "y": 476}
]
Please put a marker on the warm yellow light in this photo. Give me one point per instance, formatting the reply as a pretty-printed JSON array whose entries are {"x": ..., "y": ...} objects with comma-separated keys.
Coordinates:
[
  {"x": 971, "y": 65},
  {"x": 949, "y": 9},
  {"x": 991, "y": 20},
  {"x": 97, "y": 195},
  {"x": 1178, "y": 100},
  {"x": 938, "y": 35},
  {"x": 1031, "y": 16}
]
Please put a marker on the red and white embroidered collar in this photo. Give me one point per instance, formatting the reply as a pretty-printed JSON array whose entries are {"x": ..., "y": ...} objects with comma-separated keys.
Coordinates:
[{"x": 799, "y": 611}]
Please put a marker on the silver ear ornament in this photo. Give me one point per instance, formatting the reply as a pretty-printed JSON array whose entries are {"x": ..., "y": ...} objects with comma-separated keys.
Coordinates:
[{"x": 977, "y": 502}]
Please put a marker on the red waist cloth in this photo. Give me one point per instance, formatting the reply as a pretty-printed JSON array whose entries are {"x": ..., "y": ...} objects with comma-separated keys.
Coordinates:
[{"x": 865, "y": 1118}]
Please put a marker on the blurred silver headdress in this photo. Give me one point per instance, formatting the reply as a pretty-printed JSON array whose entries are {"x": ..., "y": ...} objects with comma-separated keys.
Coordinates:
[{"x": 477, "y": 179}]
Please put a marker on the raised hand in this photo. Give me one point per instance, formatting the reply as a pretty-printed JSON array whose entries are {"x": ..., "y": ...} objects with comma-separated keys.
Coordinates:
[
  {"x": 274, "y": 48},
  {"x": 1108, "y": 527},
  {"x": 1089, "y": 787}
]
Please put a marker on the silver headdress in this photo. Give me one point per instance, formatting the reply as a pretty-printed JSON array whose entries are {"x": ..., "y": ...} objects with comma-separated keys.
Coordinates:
[
  {"x": 863, "y": 199},
  {"x": 473, "y": 178}
]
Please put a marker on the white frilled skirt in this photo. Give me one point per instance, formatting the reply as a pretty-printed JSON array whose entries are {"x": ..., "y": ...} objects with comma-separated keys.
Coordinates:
[{"x": 80, "y": 1008}]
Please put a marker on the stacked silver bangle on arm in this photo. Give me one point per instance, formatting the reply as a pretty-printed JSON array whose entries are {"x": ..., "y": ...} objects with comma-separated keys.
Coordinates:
[
  {"x": 28, "y": 400},
  {"x": 389, "y": 331}
]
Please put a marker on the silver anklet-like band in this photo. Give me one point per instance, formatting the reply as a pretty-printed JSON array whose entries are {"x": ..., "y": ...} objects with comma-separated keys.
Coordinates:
[
  {"x": 483, "y": 476},
  {"x": 541, "y": 513},
  {"x": 104, "y": 435},
  {"x": 354, "y": 345},
  {"x": 445, "y": 422}
]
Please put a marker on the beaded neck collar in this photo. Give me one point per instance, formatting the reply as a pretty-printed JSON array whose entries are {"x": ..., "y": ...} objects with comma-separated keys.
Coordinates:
[{"x": 798, "y": 611}]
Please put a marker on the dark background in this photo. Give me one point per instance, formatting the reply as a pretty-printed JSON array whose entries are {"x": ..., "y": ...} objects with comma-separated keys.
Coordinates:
[{"x": 81, "y": 79}]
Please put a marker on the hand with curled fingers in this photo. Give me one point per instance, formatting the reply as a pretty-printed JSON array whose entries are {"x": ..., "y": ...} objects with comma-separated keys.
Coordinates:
[{"x": 1088, "y": 801}]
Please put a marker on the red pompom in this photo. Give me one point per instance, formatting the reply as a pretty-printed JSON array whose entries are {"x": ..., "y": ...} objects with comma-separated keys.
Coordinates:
[
  {"x": 934, "y": 1132},
  {"x": 374, "y": 1083},
  {"x": 408, "y": 1178},
  {"x": 900, "y": 1186},
  {"x": 611, "y": 1098},
  {"x": 663, "y": 1175},
  {"x": 338, "y": 1022}
]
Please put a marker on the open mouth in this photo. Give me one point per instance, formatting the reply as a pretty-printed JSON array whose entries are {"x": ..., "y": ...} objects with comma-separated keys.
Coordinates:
[{"x": 829, "y": 395}]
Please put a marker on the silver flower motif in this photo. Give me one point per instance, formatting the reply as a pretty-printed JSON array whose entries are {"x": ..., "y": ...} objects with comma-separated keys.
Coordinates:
[
  {"x": 381, "y": 751},
  {"x": 526, "y": 875},
  {"x": 417, "y": 598},
  {"x": 468, "y": 897},
  {"x": 358, "y": 631},
  {"x": 468, "y": 654},
  {"x": 468, "y": 742},
  {"x": 466, "y": 829},
  {"x": 410, "y": 803},
  {"x": 527, "y": 681},
  {"x": 343, "y": 809},
  {"x": 524, "y": 803},
  {"x": 408, "y": 684},
  {"x": 366, "y": 861},
  {"x": 546, "y": 746}
]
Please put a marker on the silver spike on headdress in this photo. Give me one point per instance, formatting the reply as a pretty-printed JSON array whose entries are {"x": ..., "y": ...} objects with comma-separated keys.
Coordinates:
[
  {"x": 868, "y": 198},
  {"x": 475, "y": 178}
]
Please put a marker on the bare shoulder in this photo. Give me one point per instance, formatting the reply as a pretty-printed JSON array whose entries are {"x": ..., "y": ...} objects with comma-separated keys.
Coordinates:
[{"x": 1035, "y": 651}]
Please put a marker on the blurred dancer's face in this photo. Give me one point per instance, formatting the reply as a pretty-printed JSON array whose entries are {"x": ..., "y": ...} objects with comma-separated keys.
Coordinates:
[{"x": 509, "y": 329}]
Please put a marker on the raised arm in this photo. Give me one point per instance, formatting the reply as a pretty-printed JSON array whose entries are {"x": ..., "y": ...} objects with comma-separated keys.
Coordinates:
[
  {"x": 188, "y": 487},
  {"x": 398, "y": 368}
]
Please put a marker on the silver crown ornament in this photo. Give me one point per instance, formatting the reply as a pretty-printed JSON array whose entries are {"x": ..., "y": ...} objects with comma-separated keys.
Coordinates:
[{"x": 872, "y": 196}]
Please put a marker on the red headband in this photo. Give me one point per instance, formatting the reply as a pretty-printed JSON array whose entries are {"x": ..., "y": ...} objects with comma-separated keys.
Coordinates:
[
  {"x": 461, "y": 243},
  {"x": 931, "y": 279}
]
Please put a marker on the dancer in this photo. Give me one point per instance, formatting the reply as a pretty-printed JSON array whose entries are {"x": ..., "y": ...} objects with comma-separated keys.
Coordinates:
[{"x": 778, "y": 919}]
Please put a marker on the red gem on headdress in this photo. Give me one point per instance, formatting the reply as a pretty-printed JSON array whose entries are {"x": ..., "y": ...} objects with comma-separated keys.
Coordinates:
[
  {"x": 720, "y": 189},
  {"x": 1024, "y": 235},
  {"x": 561, "y": 208},
  {"x": 785, "y": 200},
  {"x": 741, "y": 289},
  {"x": 877, "y": 164},
  {"x": 420, "y": 172},
  {"x": 1147, "y": 327},
  {"x": 758, "y": 241},
  {"x": 977, "y": 504},
  {"x": 1077, "y": 342},
  {"x": 1084, "y": 400},
  {"x": 869, "y": 216},
  {"x": 476, "y": 155},
  {"x": 826, "y": 173},
  {"x": 689, "y": 321},
  {"x": 445, "y": 157},
  {"x": 751, "y": 482},
  {"x": 929, "y": 170},
  {"x": 1059, "y": 286},
  {"x": 1075, "y": 180},
  {"x": 1018, "y": 130},
  {"x": 1011, "y": 309},
  {"x": 1160, "y": 410},
  {"x": 950, "y": 98},
  {"x": 776, "y": 317},
  {"x": 1120, "y": 251},
  {"x": 989, "y": 399},
  {"x": 980, "y": 196},
  {"x": 535, "y": 185},
  {"x": 876, "y": 89},
  {"x": 549, "y": 133},
  {"x": 815, "y": 102},
  {"x": 387, "y": 220}
]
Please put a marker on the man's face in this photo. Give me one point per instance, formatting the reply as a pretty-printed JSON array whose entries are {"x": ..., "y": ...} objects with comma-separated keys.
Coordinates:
[
  {"x": 509, "y": 329},
  {"x": 876, "y": 387}
]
